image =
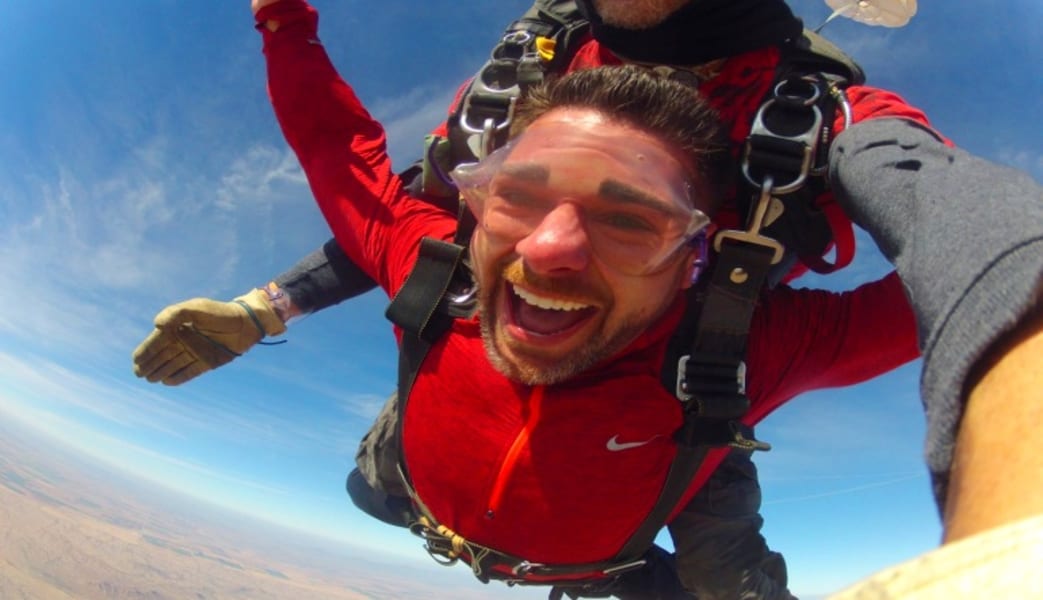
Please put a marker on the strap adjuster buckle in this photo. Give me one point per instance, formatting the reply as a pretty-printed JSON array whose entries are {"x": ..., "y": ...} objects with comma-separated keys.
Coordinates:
[
  {"x": 741, "y": 442},
  {"x": 753, "y": 234},
  {"x": 685, "y": 392}
]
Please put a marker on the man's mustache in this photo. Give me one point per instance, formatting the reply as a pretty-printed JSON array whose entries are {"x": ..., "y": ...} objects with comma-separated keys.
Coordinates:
[{"x": 574, "y": 289}]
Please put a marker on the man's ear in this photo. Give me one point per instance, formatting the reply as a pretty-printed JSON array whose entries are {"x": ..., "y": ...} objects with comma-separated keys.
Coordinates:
[
  {"x": 696, "y": 260},
  {"x": 693, "y": 262}
]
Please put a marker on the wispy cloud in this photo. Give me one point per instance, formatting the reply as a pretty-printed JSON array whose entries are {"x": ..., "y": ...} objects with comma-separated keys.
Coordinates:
[
  {"x": 119, "y": 452},
  {"x": 82, "y": 255},
  {"x": 410, "y": 116},
  {"x": 849, "y": 489},
  {"x": 189, "y": 413},
  {"x": 52, "y": 387},
  {"x": 1027, "y": 159}
]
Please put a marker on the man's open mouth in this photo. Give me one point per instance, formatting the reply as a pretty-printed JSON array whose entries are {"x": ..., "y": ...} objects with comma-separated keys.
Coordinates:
[{"x": 546, "y": 315}]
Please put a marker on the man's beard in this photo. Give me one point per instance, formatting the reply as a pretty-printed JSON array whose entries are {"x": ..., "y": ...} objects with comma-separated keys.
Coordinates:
[
  {"x": 541, "y": 371},
  {"x": 636, "y": 14}
]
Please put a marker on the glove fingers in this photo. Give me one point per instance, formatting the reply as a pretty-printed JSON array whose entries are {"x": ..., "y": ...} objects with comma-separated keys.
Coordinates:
[
  {"x": 193, "y": 337},
  {"x": 172, "y": 364},
  {"x": 147, "y": 350},
  {"x": 210, "y": 351},
  {"x": 193, "y": 370},
  {"x": 155, "y": 352}
]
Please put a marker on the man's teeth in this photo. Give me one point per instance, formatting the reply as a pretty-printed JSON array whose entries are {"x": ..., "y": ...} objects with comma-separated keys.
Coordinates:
[{"x": 547, "y": 303}]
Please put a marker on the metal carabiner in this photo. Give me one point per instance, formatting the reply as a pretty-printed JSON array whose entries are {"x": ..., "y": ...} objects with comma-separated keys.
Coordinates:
[
  {"x": 795, "y": 99},
  {"x": 808, "y": 139},
  {"x": 788, "y": 99},
  {"x": 524, "y": 568},
  {"x": 840, "y": 95}
]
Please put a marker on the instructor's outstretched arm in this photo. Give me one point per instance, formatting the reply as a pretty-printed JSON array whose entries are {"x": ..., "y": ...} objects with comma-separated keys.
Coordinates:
[{"x": 966, "y": 236}]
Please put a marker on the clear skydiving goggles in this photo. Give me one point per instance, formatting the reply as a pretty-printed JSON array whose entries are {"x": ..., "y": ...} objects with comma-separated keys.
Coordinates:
[{"x": 632, "y": 197}]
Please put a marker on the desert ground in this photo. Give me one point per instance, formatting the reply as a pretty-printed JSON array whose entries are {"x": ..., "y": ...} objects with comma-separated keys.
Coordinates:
[{"x": 72, "y": 529}]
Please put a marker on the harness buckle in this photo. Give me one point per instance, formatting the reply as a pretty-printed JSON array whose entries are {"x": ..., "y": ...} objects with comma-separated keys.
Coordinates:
[
  {"x": 497, "y": 87},
  {"x": 437, "y": 546},
  {"x": 785, "y": 152},
  {"x": 518, "y": 38},
  {"x": 686, "y": 392},
  {"x": 502, "y": 101},
  {"x": 753, "y": 235}
]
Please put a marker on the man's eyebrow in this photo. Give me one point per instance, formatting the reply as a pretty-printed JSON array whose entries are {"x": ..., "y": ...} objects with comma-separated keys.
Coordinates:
[
  {"x": 618, "y": 191},
  {"x": 530, "y": 172}
]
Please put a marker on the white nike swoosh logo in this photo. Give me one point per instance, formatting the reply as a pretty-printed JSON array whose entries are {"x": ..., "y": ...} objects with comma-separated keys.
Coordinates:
[{"x": 614, "y": 444}]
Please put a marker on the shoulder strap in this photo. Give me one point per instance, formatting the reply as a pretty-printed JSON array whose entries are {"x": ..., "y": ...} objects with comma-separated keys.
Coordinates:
[
  {"x": 812, "y": 53},
  {"x": 705, "y": 362},
  {"x": 542, "y": 40},
  {"x": 787, "y": 151}
]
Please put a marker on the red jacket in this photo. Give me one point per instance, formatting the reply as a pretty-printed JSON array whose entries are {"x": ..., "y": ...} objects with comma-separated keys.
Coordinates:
[{"x": 562, "y": 473}]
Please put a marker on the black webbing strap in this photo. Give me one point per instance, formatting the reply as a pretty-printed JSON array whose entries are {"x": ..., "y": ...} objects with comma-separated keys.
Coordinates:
[
  {"x": 685, "y": 465},
  {"x": 415, "y": 307},
  {"x": 710, "y": 378},
  {"x": 420, "y": 309},
  {"x": 813, "y": 53},
  {"x": 711, "y": 392},
  {"x": 736, "y": 281},
  {"x": 566, "y": 25}
]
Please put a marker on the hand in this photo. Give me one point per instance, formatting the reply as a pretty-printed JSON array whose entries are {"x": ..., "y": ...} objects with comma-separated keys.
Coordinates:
[
  {"x": 198, "y": 335},
  {"x": 259, "y": 4},
  {"x": 256, "y": 5},
  {"x": 998, "y": 458}
]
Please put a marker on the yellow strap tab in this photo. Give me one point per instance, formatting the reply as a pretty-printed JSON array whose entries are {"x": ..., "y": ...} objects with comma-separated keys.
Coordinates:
[{"x": 545, "y": 48}]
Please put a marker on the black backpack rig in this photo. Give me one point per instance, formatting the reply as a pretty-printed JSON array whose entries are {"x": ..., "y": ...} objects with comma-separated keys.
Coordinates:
[{"x": 782, "y": 168}]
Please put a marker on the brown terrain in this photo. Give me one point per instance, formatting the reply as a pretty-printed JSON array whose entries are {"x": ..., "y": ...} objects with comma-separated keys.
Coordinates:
[{"x": 71, "y": 529}]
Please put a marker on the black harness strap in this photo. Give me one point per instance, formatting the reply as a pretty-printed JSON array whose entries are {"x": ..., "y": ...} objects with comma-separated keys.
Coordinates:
[
  {"x": 685, "y": 465},
  {"x": 710, "y": 378},
  {"x": 415, "y": 307}
]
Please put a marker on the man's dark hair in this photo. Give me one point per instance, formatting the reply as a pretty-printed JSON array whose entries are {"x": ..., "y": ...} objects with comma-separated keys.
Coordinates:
[{"x": 671, "y": 111}]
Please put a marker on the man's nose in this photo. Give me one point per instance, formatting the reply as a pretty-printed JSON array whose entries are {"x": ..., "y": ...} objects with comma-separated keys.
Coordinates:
[{"x": 559, "y": 242}]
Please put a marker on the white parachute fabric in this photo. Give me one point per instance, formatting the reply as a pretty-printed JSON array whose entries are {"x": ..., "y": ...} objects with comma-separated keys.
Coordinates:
[{"x": 885, "y": 13}]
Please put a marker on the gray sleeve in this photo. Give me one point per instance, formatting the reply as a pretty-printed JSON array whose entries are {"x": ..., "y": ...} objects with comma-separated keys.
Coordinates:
[
  {"x": 324, "y": 278},
  {"x": 966, "y": 237}
]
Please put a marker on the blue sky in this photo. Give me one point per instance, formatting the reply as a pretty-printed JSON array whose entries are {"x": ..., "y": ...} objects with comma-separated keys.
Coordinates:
[{"x": 140, "y": 164}]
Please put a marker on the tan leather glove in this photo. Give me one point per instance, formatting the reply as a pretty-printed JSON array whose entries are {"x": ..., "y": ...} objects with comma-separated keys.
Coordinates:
[{"x": 198, "y": 335}]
